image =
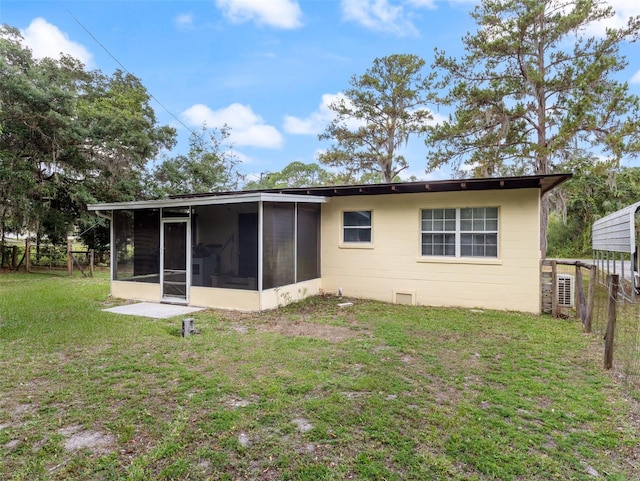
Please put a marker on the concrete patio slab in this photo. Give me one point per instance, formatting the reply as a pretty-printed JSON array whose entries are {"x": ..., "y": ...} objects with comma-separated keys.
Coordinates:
[{"x": 152, "y": 309}]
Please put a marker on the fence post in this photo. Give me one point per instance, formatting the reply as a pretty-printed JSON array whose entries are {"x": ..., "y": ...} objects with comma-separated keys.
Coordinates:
[
  {"x": 554, "y": 289},
  {"x": 593, "y": 279},
  {"x": 27, "y": 256},
  {"x": 91, "y": 259},
  {"x": 611, "y": 320},
  {"x": 579, "y": 301},
  {"x": 69, "y": 257}
]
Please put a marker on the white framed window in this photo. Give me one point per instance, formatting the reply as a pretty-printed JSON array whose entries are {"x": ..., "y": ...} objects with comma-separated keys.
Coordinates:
[
  {"x": 356, "y": 226},
  {"x": 463, "y": 232},
  {"x": 439, "y": 232}
]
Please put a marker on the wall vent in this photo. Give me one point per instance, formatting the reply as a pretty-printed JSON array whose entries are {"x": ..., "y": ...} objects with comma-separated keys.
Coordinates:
[
  {"x": 566, "y": 290},
  {"x": 404, "y": 297}
]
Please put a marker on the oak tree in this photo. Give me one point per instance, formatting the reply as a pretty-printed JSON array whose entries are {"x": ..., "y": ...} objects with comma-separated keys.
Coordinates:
[
  {"x": 68, "y": 137},
  {"x": 210, "y": 165}
]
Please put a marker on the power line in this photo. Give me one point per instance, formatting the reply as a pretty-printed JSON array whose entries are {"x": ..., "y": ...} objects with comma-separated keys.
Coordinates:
[
  {"x": 243, "y": 171},
  {"x": 126, "y": 70}
]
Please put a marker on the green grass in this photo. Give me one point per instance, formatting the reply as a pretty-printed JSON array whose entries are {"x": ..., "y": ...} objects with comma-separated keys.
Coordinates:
[{"x": 308, "y": 392}]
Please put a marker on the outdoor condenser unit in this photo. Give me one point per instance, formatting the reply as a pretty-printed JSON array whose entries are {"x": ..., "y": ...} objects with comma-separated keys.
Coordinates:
[{"x": 566, "y": 290}]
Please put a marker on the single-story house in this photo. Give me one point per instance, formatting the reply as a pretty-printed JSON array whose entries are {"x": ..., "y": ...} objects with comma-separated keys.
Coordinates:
[{"x": 468, "y": 243}]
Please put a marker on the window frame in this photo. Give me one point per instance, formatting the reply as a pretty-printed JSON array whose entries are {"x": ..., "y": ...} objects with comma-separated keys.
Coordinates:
[
  {"x": 348, "y": 227},
  {"x": 445, "y": 232},
  {"x": 459, "y": 233}
]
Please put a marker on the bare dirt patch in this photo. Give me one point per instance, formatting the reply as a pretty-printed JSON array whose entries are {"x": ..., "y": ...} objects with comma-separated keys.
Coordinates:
[
  {"x": 78, "y": 438},
  {"x": 309, "y": 329},
  {"x": 340, "y": 323}
]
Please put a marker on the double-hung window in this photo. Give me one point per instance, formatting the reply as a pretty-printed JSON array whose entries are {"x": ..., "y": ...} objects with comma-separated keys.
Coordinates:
[
  {"x": 356, "y": 226},
  {"x": 439, "y": 232},
  {"x": 465, "y": 232},
  {"x": 479, "y": 232}
]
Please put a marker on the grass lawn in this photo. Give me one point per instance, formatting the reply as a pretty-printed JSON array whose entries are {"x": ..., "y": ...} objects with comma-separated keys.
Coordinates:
[{"x": 308, "y": 392}]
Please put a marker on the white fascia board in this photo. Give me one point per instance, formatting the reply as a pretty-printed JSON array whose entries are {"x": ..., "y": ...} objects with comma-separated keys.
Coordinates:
[{"x": 208, "y": 200}]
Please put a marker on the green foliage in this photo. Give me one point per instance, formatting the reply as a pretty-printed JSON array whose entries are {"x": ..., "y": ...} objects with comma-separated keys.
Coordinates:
[
  {"x": 533, "y": 88},
  {"x": 561, "y": 242},
  {"x": 209, "y": 166},
  {"x": 376, "y": 117},
  {"x": 531, "y": 85},
  {"x": 69, "y": 137},
  {"x": 95, "y": 234},
  {"x": 592, "y": 193},
  {"x": 296, "y": 174}
]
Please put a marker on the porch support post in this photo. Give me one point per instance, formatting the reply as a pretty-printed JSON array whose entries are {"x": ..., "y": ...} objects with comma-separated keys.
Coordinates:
[
  {"x": 260, "y": 249},
  {"x": 114, "y": 248}
]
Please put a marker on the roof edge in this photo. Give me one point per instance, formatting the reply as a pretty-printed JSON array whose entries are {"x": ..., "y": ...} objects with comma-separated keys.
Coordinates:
[{"x": 545, "y": 183}]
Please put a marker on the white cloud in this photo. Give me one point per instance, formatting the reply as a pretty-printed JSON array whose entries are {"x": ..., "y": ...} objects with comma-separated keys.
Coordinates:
[
  {"x": 437, "y": 118},
  {"x": 636, "y": 78},
  {"x": 623, "y": 10},
  {"x": 46, "y": 40},
  {"x": 243, "y": 158},
  {"x": 431, "y": 4},
  {"x": 184, "y": 20},
  {"x": 316, "y": 121},
  {"x": 285, "y": 14},
  {"x": 247, "y": 128},
  {"x": 379, "y": 15}
]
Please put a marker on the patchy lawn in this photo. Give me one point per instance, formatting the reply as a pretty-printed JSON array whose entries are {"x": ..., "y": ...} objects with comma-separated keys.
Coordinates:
[{"x": 308, "y": 392}]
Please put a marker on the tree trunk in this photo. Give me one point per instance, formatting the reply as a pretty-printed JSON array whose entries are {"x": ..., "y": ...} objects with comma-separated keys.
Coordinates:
[{"x": 544, "y": 224}]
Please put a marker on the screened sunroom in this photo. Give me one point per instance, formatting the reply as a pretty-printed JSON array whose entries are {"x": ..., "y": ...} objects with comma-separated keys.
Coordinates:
[{"x": 249, "y": 251}]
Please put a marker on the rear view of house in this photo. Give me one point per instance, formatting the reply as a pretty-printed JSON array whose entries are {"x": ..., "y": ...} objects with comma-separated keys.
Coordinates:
[{"x": 469, "y": 243}]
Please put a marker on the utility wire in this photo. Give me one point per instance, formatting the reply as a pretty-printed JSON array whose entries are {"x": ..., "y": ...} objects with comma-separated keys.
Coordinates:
[{"x": 125, "y": 69}]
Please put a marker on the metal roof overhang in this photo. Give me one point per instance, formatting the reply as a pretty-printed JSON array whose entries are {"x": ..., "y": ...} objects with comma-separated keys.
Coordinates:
[
  {"x": 543, "y": 182},
  {"x": 320, "y": 194},
  {"x": 208, "y": 199}
]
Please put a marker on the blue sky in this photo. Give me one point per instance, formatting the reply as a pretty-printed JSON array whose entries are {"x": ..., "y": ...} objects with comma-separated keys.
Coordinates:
[{"x": 267, "y": 68}]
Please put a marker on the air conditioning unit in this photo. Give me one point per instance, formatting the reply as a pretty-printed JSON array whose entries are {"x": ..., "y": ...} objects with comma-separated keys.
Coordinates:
[{"x": 566, "y": 290}]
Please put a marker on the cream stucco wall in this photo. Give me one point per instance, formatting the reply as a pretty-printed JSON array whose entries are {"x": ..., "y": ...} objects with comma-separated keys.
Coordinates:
[
  {"x": 392, "y": 269},
  {"x": 233, "y": 299},
  {"x": 281, "y": 296},
  {"x": 138, "y": 291}
]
